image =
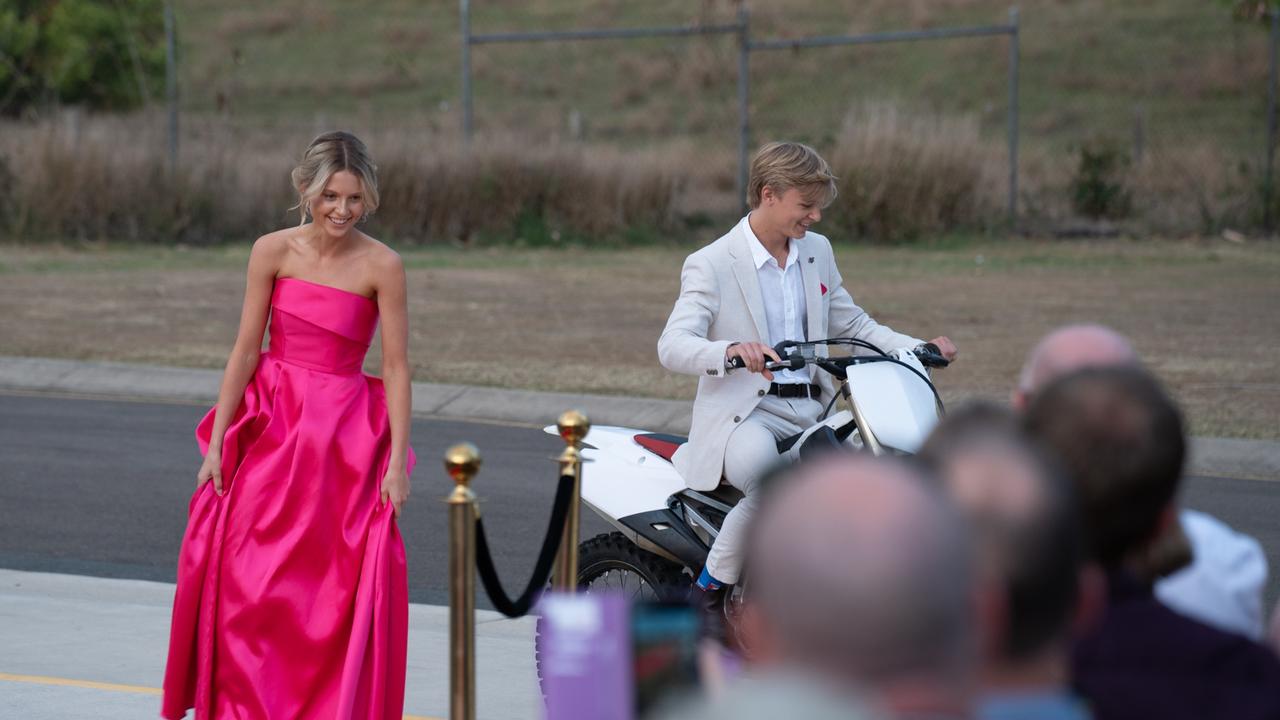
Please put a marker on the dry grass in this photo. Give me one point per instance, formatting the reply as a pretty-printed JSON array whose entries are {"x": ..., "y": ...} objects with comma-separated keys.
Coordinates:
[
  {"x": 105, "y": 178},
  {"x": 543, "y": 194},
  {"x": 1191, "y": 189},
  {"x": 903, "y": 175},
  {"x": 1203, "y": 314}
]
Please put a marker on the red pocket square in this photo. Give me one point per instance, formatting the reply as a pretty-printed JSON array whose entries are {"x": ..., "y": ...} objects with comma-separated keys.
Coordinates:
[{"x": 824, "y": 288}]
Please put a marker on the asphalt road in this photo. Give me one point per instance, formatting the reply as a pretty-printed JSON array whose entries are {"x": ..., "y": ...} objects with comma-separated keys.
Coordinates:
[{"x": 97, "y": 487}]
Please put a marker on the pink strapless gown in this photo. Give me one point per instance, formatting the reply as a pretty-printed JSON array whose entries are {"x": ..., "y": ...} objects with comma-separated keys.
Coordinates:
[{"x": 292, "y": 597}]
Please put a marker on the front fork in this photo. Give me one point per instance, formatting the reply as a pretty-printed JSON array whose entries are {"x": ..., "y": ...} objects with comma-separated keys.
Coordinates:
[{"x": 868, "y": 437}]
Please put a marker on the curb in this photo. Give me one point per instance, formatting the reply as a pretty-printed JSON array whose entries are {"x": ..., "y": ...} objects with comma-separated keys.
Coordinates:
[
  {"x": 434, "y": 400},
  {"x": 1218, "y": 457}
]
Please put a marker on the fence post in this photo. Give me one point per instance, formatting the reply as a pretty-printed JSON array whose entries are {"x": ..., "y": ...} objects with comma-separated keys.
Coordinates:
[
  {"x": 573, "y": 426},
  {"x": 171, "y": 83},
  {"x": 465, "y": 7},
  {"x": 1013, "y": 119},
  {"x": 1267, "y": 186},
  {"x": 462, "y": 462},
  {"x": 744, "y": 97}
]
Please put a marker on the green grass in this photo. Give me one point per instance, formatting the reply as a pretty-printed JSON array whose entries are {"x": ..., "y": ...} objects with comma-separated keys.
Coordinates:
[
  {"x": 76, "y": 258},
  {"x": 1089, "y": 67}
]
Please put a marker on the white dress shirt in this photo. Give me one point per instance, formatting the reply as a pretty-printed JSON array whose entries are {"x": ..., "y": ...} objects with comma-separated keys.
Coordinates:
[
  {"x": 782, "y": 289},
  {"x": 1224, "y": 584}
]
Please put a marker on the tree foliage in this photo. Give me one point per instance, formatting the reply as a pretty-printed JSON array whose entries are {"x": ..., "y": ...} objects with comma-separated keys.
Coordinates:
[
  {"x": 1255, "y": 10},
  {"x": 104, "y": 54}
]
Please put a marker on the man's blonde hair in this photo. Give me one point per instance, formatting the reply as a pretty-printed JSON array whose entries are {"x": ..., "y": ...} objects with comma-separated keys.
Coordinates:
[{"x": 786, "y": 165}]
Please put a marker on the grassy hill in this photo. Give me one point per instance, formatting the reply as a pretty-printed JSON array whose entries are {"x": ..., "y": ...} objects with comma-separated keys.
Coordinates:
[
  {"x": 1169, "y": 96},
  {"x": 1184, "y": 69}
]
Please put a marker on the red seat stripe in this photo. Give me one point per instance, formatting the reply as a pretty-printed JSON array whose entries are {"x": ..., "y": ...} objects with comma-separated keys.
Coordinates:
[{"x": 662, "y": 448}]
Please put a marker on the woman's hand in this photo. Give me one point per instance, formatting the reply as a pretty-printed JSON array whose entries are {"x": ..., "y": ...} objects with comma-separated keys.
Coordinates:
[
  {"x": 211, "y": 469},
  {"x": 395, "y": 488}
]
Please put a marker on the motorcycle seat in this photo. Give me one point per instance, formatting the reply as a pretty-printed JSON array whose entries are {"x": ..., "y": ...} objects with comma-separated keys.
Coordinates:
[
  {"x": 661, "y": 444},
  {"x": 725, "y": 493}
]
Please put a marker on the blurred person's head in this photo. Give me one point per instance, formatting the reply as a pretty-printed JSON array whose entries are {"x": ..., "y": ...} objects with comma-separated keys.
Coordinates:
[
  {"x": 1067, "y": 349},
  {"x": 1023, "y": 513},
  {"x": 1075, "y": 347},
  {"x": 861, "y": 571},
  {"x": 1120, "y": 438}
]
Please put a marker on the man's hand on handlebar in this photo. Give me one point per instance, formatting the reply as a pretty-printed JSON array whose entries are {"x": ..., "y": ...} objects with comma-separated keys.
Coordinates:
[
  {"x": 945, "y": 347},
  {"x": 753, "y": 356}
]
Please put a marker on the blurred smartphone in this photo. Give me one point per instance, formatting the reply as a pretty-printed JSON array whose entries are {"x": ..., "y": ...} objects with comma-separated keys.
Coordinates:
[
  {"x": 584, "y": 656},
  {"x": 664, "y": 651}
]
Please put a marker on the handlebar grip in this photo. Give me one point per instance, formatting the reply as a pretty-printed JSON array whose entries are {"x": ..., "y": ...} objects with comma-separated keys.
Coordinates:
[
  {"x": 930, "y": 356},
  {"x": 794, "y": 361}
]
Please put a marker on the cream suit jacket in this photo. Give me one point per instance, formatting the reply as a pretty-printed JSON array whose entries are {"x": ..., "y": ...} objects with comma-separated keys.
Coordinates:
[{"x": 720, "y": 303}]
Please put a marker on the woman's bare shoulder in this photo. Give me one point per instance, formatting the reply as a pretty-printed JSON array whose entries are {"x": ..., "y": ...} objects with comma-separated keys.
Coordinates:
[
  {"x": 381, "y": 257},
  {"x": 277, "y": 242},
  {"x": 271, "y": 251}
]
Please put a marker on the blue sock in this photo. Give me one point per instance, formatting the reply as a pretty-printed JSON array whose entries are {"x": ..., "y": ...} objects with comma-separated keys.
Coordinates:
[{"x": 706, "y": 582}]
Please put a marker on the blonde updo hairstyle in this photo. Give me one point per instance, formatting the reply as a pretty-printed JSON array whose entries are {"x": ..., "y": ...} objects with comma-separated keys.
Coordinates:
[{"x": 330, "y": 153}]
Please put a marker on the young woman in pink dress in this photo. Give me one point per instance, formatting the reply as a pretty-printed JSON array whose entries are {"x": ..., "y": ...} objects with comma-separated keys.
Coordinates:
[{"x": 292, "y": 597}]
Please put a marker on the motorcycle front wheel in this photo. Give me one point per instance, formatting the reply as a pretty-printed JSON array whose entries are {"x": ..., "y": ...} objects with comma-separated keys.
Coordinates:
[{"x": 609, "y": 562}]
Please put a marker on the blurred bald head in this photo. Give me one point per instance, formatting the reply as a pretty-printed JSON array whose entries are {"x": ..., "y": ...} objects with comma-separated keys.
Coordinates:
[
  {"x": 861, "y": 569},
  {"x": 1067, "y": 349}
]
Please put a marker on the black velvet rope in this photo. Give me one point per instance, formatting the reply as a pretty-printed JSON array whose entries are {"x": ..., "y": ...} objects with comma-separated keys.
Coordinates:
[{"x": 541, "y": 569}]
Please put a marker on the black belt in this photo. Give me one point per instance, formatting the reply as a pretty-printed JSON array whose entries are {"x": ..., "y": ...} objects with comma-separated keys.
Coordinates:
[{"x": 796, "y": 390}]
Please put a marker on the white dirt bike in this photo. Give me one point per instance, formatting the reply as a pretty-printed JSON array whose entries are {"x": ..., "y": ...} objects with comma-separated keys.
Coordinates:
[{"x": 664, "y": 529}]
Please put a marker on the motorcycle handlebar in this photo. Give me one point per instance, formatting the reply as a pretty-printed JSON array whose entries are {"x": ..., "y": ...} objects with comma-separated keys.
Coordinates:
[
  {"x": 928, "y": 354},
  {"x": 793, "y": 362}
]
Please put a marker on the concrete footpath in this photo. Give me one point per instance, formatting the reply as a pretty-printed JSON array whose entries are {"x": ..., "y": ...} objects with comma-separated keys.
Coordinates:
[
  {"x": 1218, "y": 457},
  {"x": 77, "y": 647}
]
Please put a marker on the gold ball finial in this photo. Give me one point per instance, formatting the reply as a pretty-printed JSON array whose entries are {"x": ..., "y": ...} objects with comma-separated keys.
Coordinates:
[
  {"x": 573, "y": 426},
  {"x": 462, "y": 462}
]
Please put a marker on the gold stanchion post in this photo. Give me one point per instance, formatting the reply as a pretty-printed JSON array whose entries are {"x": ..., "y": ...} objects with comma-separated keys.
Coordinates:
[
  {"x": 573, "y": 427},
  {"x": 462, "y": 461}
]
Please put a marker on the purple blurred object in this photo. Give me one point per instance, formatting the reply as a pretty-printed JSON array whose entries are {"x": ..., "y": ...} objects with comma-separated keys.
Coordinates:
[{"x": 586, "y": 657}]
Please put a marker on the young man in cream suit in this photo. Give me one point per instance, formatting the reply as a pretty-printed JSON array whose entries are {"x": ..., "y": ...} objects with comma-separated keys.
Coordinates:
[{"x": 767, "y": 280}]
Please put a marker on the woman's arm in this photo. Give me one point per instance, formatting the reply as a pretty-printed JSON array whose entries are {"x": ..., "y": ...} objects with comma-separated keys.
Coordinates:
[
  {"x": 394, "y": 313},
  {"x": 263, "y": 264}
]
